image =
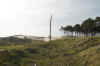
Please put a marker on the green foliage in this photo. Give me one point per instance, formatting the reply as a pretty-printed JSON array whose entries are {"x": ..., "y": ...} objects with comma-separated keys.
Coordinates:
[
  {"x": 88, "y": 27},
  {"x": 64, "y": 52}
]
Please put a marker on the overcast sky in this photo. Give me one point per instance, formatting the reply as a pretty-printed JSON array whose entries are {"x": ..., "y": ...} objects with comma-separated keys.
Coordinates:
[{"x": 31, "y": 17}]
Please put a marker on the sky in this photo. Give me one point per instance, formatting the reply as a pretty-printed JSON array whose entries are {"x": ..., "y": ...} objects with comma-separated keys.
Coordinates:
[{"x": 31, "y": 17}]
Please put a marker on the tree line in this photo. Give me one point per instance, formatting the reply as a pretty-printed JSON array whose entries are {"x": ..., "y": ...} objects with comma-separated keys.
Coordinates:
[{"x": 88, "y": 28}]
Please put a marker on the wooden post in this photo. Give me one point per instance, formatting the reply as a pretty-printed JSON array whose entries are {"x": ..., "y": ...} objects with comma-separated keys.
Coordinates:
[{"x": 50, "y": 37}]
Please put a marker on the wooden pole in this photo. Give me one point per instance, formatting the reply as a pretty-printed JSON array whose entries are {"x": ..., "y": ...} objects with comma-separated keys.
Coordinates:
[{"x": 50, "y": 37}]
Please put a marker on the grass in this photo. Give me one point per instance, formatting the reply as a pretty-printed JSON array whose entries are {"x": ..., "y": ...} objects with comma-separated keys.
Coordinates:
[{"x": 64, "y": 51}]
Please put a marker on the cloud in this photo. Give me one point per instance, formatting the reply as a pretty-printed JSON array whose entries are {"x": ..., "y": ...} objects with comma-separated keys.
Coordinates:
[
  {"x": 69, "y": 12},
  {"x": 32, "y": 16}
]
